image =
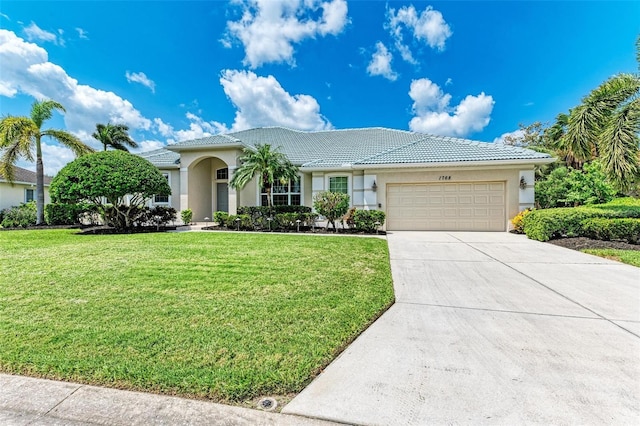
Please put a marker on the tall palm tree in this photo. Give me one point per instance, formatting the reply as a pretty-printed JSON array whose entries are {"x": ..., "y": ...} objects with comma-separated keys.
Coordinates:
[
  {"x": 114, "y": 135},
  {"x": 269, "y": 165},
  {"x": 606, "y": 125},
  {"x": 20, "y": 135}
]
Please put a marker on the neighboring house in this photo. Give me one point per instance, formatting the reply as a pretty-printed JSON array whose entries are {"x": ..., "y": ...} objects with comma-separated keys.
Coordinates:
[
  {"x": 22, "y": 190},
  {"x": 421, "y": 182}
]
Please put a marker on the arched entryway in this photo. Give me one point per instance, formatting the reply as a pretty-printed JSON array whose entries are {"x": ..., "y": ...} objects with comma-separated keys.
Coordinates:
[{"x": 208, "y": 187}]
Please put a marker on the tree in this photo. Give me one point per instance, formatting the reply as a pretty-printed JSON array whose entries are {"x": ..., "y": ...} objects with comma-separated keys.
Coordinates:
[
  {"x": 568, "y": 187},
  {"x": 19, "y": 136},
  {"x": 606, "y": 126},
  {"x": 119, "y": 184},
  {"x": 331, "y": 205},
  {"x": 268, "y": 164},
  {"x": 114, "y": 135}
]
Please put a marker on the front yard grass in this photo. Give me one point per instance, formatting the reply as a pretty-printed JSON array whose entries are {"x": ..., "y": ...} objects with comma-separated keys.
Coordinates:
[
  {"x": 226, "y": 317},
  {"x": 632, "y": 257}
]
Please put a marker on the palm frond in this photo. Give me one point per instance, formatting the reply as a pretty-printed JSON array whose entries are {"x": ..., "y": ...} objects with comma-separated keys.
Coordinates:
[
  {"x": 42, "y": 111},
  {"x": 69, "y": 140},
  {"x": 620, "y": 145}
]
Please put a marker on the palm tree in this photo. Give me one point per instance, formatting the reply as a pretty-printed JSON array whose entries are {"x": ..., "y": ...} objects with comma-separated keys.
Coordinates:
[
  {"x": 114, "y": 135},
  {"x": 270, "y": 165},
  {"x": 606, "y": 125},
  {"x": 20, "y": 135}
]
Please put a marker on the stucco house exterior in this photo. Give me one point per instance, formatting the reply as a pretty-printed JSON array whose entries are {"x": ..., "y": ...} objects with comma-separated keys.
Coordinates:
[
  {"x": 22, "y": 190},
  {"x": 421, "y": 182}
]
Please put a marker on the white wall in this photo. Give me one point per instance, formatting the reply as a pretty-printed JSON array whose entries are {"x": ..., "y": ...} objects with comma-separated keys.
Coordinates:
[{"x": 13, "y": 195}]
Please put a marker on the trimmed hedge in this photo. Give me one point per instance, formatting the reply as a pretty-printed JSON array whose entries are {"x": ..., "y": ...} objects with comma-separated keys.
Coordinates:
[
  {"x": 612, "y": 229},
  {"x": 544, "y": 225},
  {"x": 66, "y": 214}
]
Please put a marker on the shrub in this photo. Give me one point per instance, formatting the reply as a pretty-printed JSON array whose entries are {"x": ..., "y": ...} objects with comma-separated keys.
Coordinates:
[
  {"x": 543, "y": 225},
  {"x": 186, "y": 215},
  {"x": 159, "y": 216},
  {"x": 245, "y": 223},
  {"x": 331, "y": 205},
  {"x": 566, "y": 187},
  {"x": 518, "y": 221},
  {"x": 627, "y": 229},
  {"x": 368, "y": 220},
  {"x": 220, "y": 217},
  {"x": 20, "y": 216},
  {"x": 125, "y": 181},
  {"x": 66, "y": 214}
]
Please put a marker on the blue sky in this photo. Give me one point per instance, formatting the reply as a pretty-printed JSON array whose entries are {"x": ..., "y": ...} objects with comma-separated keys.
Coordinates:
[{"x": 180, "y": 70}]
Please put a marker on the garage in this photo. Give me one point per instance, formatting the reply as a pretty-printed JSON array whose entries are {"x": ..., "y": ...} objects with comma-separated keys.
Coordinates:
[{"x": 463, "y": 206}]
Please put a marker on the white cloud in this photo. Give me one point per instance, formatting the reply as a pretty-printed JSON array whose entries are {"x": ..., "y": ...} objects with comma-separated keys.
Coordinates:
[
  {"x": 449, "y": 82},
  {"x": 149, "y": 145},
  {"x": 381, "y": 63},
  {"x": 507, "y": 138},
  {"x": 198, "y": 128},
  {"x": 140, "y": 77},
  {"x": 34, "y": 32},
  {"x": 82, "y": 33},
  {"x": 268, "y": 29},
  {"x": 261, "y": 102},
  {"x": 56, "y": 157},
  {"x": 433, "y": 114},
  {"x": 2, "y": 15},
  {"x": 26, "y": 69},
  {"x": 427, "y": 26}
]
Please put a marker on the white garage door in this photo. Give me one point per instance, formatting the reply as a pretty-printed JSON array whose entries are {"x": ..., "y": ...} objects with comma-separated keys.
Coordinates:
[{"x": 472, "y": 206}]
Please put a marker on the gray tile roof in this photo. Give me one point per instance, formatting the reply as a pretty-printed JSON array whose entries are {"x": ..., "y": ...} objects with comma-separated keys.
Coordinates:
[
  {"x": 21, "y": 175},
  {"x": 367, "y": 146},
  {"x": 162, "y": 157}
]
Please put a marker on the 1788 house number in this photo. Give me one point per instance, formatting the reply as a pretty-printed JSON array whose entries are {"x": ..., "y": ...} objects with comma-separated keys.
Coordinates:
[{"x": 444, "y": 178}]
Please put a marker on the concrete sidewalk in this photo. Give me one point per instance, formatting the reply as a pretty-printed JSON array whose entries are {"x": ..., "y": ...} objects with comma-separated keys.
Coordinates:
[
  {"x": 491, "y": 328},
  {"x": 28, "y": 401}
]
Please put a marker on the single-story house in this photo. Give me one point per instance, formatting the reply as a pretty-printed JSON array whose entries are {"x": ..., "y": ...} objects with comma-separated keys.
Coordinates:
[
  {"x": 22, "y": 190},
  {"x": 421, "y": 182}
]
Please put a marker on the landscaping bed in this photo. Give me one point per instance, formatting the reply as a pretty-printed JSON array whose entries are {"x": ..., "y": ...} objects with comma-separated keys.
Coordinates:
[{"x": 583, "y": 243}]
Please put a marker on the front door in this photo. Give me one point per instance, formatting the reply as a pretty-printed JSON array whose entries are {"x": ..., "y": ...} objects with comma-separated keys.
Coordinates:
[{"x": 222, "y": 197}]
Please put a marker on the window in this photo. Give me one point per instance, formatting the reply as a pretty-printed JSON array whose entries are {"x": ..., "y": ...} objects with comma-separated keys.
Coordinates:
[
  {"x": 339, "y": 184},
  {"x": 29, "y": 195},
  {"x": 283, "y": 195},
  {"x": 162, "y": 199},
  {"x": 222, "y": 174}
]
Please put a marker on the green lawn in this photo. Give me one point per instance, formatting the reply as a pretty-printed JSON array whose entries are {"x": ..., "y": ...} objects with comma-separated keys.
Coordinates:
[
  {"x": 223, "y": 316},
  {"x": 632, "y": 257}
]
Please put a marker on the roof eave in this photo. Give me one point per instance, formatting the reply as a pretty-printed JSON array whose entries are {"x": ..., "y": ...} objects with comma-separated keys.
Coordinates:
[
  {"x": 513, "y": 162},
  {"x": 178, "y": 148}
]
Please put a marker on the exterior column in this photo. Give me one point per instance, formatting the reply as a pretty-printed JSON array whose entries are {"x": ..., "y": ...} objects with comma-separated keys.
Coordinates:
[
  {"x": 184, "y": 188},
  {"x": 526, "y": 196},
  {"x": 370, "y": 197},
  {"x": 234, "y": 197}
]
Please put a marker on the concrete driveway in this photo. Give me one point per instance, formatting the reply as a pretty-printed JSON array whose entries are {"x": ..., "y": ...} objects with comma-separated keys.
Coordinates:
[{"x": 491, "y": 328}]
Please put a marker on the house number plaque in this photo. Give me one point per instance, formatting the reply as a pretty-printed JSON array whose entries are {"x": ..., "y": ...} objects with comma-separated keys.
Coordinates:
[{"x": 444, "y": 178}]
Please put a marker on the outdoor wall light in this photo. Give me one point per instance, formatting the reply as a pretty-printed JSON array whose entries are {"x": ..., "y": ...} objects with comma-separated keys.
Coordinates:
[
  {"x": 374, "y": 187},
  {"x": 523, "y": 183}
]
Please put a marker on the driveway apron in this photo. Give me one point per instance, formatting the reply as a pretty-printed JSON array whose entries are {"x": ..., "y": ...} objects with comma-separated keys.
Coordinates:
[{"x": 490, "y": 328}]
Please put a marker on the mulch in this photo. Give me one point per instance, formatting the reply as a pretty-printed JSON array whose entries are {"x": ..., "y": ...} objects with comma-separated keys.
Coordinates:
[{"x": 582, "y": 243}]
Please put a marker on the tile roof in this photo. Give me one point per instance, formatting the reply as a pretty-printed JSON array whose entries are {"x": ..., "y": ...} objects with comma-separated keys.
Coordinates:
[
  {"x": 366, "y": 146},
  {"x": 21, "y": 175},
  {"x": 162, "y": 157}
]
